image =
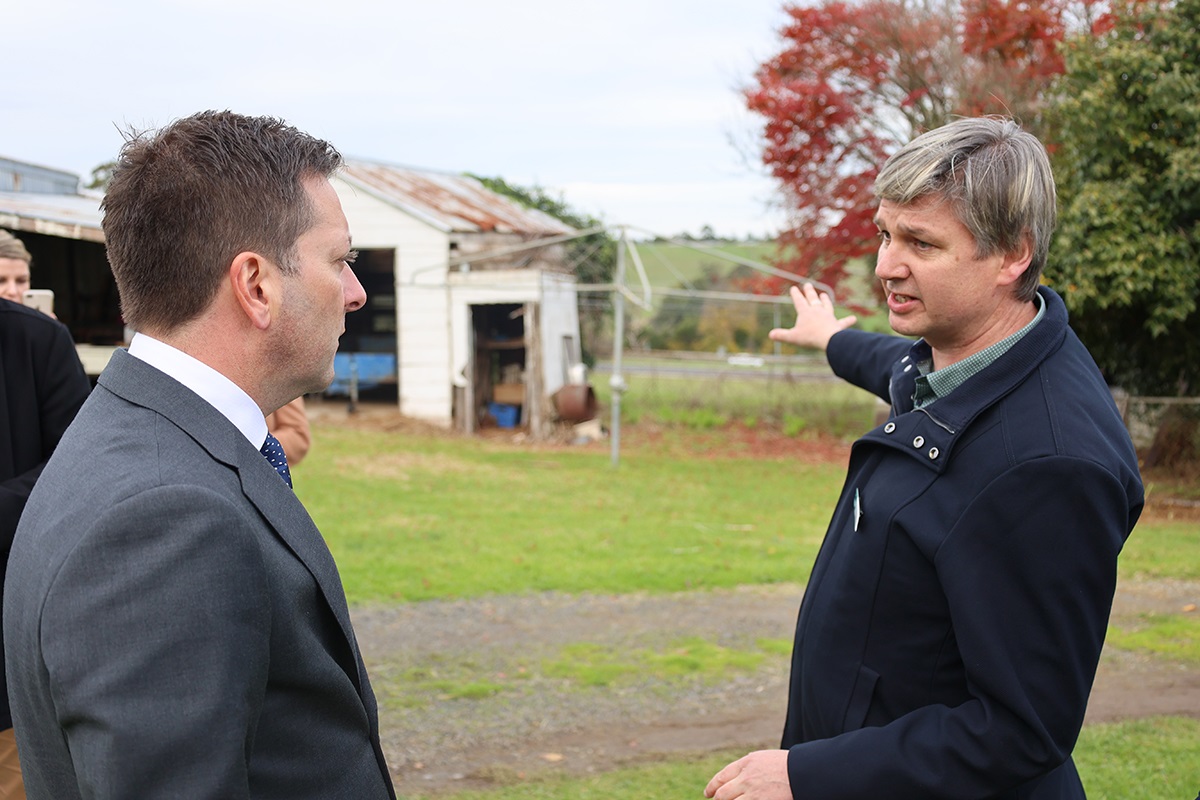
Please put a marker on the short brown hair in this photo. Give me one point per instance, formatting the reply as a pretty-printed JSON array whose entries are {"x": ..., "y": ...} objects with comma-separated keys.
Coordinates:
[
  {"x": 184, "y": 201},
  {"x": 12, "y": 247}
]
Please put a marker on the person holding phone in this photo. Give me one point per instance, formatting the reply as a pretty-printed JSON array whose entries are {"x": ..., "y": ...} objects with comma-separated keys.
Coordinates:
[{"x": 14, "y": 278}]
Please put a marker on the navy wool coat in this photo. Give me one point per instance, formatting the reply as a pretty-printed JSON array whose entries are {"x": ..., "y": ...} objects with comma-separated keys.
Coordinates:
[{"x": 953, "y": 622}]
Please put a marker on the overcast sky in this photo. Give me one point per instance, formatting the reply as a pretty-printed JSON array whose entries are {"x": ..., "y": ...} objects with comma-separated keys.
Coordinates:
[{"x": 628, "y": 109}]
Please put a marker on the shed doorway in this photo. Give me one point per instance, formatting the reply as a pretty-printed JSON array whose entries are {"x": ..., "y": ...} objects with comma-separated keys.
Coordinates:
[{"x": 500, "y": 366}]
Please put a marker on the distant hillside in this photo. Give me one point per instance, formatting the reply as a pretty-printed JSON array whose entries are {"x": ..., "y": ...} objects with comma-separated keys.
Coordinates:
[
  {"x": 683, "y": 323},
  {"x": 674, "y": 265}
]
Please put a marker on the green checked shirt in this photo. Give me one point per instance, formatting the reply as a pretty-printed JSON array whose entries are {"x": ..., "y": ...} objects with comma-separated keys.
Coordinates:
[{"x": 932, "y": 384}]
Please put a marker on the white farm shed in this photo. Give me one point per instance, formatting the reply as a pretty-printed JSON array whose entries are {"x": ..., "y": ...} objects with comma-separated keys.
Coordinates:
[{"x": 480, "y": 323}]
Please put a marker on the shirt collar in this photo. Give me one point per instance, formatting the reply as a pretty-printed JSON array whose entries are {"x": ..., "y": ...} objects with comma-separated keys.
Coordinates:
[
  {"x": 214, "y": 388},
  {"x": 934, "y": 384}
]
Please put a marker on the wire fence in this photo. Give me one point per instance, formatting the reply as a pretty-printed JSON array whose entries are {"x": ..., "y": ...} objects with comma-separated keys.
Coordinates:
[
  {"x": 1145, "y": 417},
  {"x": 703, "y": 390},
  {"x": 796, "y": 393}
]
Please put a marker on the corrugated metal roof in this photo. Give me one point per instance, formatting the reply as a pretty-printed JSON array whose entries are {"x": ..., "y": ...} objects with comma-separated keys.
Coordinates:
[
  {"x": 71, "y": 216},
  {"x": 21, "y": 176},
  {"x": 454, "y": 203}
]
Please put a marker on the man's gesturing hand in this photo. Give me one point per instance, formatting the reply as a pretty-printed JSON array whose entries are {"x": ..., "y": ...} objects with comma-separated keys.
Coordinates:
[
  {"x": 815, "y": 320},
  {"x": 762, "y": 775}
]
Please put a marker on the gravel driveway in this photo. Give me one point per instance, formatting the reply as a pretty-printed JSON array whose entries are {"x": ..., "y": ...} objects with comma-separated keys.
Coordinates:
[{"x": 439, "y": 743}]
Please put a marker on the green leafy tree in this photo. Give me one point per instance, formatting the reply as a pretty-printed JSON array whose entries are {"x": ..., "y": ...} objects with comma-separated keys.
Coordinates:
[
  {"x": 1127, "y": 252},
  {"x": 101, "y": 175}
]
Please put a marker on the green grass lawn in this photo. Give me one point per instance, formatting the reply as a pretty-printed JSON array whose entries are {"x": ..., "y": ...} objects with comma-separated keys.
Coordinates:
[
  {"x": 415, "y": 518},
  {"x": 418, "y": 517}
]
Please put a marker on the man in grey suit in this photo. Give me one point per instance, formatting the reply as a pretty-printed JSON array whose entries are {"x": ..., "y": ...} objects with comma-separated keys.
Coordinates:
[{"x": 174, "y": 623}]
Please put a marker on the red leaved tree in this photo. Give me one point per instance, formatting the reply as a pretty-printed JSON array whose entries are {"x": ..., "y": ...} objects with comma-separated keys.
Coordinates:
[{"x": 855, "y": 80}]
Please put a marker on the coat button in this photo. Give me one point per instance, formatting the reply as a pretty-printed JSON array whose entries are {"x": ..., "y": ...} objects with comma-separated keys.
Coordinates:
[
  {"x": 891, "y": 426},
  {"x": 934, "y": 453},
  {"x": 919, "y": 441}
]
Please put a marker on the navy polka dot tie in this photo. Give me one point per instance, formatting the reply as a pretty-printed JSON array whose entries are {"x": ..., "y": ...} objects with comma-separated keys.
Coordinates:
[{"x": 272, "y": 450}]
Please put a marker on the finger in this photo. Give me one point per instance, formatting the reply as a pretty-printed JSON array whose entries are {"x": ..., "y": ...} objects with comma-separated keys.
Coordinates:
[
  {"x": 798, "y": 298},
  {"x": 721, "y": 778},
  {"x": 731, "y": 791},
  {"x": 820, "y": 299}
]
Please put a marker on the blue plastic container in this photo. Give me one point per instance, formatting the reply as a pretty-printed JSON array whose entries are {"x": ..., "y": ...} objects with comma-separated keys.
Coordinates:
[{"x": 506, "y": 415}]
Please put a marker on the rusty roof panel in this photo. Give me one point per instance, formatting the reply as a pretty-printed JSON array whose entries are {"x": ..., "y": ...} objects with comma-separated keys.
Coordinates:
[{"x": 459, "y": 203}]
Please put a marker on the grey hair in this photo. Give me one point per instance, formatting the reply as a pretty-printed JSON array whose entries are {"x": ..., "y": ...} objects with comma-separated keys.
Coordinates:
[{"x": 996, "y": 177}]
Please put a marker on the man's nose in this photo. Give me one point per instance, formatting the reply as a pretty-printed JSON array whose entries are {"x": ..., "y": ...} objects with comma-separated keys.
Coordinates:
[
  {"x": 354, "y": 294},
  {"x": 889, "y": 265}
]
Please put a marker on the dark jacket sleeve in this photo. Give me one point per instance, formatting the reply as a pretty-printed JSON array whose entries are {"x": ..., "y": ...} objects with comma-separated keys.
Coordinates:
[
  {"x": 866, "y": 359},
  {"x": 43, "y": 385}
]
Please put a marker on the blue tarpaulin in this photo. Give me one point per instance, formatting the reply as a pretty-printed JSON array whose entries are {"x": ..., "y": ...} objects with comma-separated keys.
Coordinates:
[{"x": 373, "y": 369}]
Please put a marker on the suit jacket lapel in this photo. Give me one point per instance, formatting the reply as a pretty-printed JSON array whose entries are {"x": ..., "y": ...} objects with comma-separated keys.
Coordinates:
[
  {"x": 286, "y": 514},
  {"x": 143, "y": 385}
]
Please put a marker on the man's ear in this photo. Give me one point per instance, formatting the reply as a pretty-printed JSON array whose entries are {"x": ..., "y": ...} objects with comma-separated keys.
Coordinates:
[
  {"x": 1015, "y": 263},
  {"x": 255, "y": 284}
]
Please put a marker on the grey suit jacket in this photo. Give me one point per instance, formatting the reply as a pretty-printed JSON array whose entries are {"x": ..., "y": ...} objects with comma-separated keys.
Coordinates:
[{"x": 174, "y": 623}]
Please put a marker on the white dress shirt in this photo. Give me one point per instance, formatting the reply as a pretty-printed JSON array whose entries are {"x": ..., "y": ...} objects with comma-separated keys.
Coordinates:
[{"x": 214, "y": 388}]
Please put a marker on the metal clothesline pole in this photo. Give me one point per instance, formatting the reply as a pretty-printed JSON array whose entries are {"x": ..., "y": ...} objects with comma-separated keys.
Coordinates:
[{"x": 617, "y": 382}]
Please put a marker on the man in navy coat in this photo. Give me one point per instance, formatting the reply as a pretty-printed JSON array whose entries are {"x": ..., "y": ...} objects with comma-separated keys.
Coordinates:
[
  {"x": 952, "y": 625},
  {"x": 174, "y": 623}
]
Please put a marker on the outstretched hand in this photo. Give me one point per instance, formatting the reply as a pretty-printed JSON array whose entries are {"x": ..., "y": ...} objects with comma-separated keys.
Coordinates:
[
  {"x": 815, "y": 321},
  {"x": 762, "y": 775}
]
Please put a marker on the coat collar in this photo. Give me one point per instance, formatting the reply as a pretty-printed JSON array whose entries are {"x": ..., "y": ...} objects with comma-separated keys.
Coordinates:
[{"x": 929, "y": 434}]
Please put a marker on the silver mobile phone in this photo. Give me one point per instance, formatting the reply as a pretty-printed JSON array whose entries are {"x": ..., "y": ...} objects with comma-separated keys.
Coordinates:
[{"x": 41, "y": 299}]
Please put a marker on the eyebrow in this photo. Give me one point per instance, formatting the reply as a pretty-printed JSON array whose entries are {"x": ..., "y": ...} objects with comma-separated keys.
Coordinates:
[{"x": 914, "y": 231}]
